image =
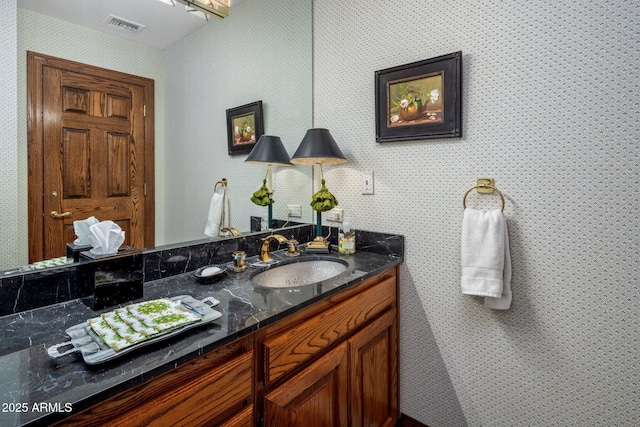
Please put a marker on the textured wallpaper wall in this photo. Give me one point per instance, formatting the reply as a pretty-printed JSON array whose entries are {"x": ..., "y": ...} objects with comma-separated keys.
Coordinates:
[
  {"x": 262, "y": 51},
  {"x": 8, "y": 149},
  {"x": 55, "y": 37},
  {"x": 551, "y": 112}
]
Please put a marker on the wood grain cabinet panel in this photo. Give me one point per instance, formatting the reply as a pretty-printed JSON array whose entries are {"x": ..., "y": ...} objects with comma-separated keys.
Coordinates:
[
  {"x": 318, "y": 396},
  {"x": 212, "y": 390},
  {"x": 301, "y": 342},
  {"x": 373, "y": 376}
]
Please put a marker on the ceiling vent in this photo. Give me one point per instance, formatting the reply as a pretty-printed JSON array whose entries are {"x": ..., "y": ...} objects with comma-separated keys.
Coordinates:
[{"x": 122, "y": 25}]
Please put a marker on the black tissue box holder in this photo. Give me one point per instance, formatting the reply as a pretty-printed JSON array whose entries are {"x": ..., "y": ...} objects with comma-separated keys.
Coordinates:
[{"x": 117, "y": 280}]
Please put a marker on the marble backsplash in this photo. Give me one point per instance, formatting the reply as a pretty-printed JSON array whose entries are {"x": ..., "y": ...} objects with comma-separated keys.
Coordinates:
[{"x": 105, "y": 282}]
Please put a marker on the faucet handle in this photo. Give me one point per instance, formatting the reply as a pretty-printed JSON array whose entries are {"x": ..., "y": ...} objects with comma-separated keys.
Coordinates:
[{"x": 292, "y": 249}]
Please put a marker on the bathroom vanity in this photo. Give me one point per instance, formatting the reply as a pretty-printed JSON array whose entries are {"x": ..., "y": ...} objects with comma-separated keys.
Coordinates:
[{"x": 325, "y": 352}]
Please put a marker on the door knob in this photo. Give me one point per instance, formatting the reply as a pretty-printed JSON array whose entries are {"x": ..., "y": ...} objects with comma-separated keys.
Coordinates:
[{"x": 55, "y": 214}]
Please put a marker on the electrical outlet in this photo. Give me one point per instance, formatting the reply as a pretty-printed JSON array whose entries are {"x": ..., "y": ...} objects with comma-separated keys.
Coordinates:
[
  {"x": 334, "y": 215},
  {"x": 367, "y": 183},
  {"x": 294, "y": 211}
]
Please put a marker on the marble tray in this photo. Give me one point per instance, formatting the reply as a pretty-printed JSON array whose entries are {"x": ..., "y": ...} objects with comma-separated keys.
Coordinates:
[{"x": 95, "y": 351}]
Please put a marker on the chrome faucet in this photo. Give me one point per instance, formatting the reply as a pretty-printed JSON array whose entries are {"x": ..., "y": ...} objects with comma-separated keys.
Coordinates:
[{"x": 264, "y": 249}]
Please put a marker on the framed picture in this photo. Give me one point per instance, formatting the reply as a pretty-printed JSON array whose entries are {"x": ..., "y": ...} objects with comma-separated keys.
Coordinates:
[
  {"x": 244, "y": 126},
  {"x": 420, "y": 100}
]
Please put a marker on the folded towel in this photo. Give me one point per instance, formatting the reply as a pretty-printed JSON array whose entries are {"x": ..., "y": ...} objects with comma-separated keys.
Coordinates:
[
  {"x": 485, "y": 257},
  {"x": 504, "y": 301},
  {"x": 218, "y": 214}
]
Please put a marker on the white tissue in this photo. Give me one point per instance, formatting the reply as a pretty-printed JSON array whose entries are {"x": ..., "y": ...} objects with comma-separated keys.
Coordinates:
[
  {"x": 81, "y": 228},
  {"x": 105, "y": 237}
]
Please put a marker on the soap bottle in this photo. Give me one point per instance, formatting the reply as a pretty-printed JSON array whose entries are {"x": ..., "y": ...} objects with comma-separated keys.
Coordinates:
[{"x": 346, "y": 238}]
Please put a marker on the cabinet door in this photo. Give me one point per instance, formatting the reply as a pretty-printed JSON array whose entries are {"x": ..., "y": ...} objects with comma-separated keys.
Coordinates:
[
  {"x": 373, "y": 373},
  {"x": 317, "y": 396}
]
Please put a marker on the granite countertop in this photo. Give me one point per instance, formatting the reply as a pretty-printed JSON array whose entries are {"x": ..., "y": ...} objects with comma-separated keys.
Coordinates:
[{"x": 38, "y": 390}]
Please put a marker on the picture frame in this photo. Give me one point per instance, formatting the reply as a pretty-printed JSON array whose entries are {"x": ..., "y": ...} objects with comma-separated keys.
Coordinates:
[
  {"x": 245, "y": 125},
  {"x": 420, "y": 100}
]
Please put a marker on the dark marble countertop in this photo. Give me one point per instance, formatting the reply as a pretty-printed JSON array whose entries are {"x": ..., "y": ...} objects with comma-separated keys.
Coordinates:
[{"x": 37, "y": 390}]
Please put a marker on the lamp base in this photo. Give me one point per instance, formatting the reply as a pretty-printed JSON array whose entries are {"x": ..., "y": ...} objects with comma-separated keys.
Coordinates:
[{"x": 318, "y": 246}]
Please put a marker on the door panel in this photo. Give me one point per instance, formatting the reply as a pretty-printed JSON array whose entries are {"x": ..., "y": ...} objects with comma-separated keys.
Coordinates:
[
  {"x": 317, "y": 396},
  {"x": 92, "y": 143},
  {"x": 373, "y": 374}
]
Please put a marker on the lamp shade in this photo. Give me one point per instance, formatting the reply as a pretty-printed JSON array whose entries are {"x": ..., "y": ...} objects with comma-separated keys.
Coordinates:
[
  {"x": 269, "y": 150},
  {"x": 318, "y": 146}
]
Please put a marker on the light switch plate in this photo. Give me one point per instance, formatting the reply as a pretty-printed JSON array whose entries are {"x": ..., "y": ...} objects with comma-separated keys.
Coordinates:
[{"x": 367, "y": 183}]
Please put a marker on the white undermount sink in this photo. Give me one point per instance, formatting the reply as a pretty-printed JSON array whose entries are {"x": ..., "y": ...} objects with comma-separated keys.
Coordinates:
[{"x": 299, "y": 273}]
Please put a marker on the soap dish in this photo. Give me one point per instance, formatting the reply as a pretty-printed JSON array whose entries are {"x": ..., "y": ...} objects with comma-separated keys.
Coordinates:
[{"x": 209, "y": 273}]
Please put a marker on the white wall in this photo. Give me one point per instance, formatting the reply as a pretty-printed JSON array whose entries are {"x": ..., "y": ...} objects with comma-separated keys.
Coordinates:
[{"x": 551, "y": 112}]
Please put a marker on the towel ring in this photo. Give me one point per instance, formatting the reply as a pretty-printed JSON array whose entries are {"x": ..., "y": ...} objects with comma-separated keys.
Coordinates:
[
  {"x": 223, "y": 182},
  {"x": 464, "y": 199}
]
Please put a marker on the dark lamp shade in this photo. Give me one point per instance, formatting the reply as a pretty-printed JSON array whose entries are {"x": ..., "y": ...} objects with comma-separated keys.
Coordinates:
[
  {"x": 318, "y": 146},
  {"x": 269, "y": 150}
]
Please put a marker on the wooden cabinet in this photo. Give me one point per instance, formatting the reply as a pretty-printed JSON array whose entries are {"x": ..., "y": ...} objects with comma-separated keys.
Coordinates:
[
  {"x": 318, "y": 395},
  {"x": 187, "y": 396},
  {"x": 338, "y": 366},
  {"x": 373, "y": 379},
  {"x": 333, "y": 363}
]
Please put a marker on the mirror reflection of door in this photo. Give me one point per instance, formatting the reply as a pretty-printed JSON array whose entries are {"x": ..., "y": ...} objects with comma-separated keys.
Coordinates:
[{"x": 90, "y": 152}]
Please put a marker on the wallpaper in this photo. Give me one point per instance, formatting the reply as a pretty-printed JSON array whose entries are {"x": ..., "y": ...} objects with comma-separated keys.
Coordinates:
[
  {"x": 8, "y": 150},
  {"x": 550, "y": 111}
]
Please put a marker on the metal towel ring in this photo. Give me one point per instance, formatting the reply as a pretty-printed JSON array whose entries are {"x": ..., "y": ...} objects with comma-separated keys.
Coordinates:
[
  {"x": 464, "y": 199},
  {"x": 223, "y": 183}
]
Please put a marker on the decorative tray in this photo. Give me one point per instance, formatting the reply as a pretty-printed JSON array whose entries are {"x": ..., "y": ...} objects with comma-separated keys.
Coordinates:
[{"x": 178, "y": 314}]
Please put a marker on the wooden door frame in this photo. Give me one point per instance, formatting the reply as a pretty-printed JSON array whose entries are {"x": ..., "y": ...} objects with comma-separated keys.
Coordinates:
[{"x": 35, "y": 142}]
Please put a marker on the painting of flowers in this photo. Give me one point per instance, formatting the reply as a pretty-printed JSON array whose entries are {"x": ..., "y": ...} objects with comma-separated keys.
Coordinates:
[
  {"x": 416, "y": 101},
  {"x": 420, "y": 100},
  {"x": 244, "y": 127}
]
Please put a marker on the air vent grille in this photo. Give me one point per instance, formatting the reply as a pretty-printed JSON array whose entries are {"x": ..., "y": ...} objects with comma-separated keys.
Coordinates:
[{"x": 122, "y": 24}]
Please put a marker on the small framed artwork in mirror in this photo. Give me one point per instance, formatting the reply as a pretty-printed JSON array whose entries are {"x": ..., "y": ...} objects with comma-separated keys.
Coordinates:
[
  {"x": 420, "y": 100},
  {"x": 244, "y": 126}
]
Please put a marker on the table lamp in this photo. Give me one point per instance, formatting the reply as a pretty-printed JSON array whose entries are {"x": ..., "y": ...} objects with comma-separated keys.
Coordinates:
[
  {"x": 319, "y": 147},
  {"x": 270, "y": 151}
]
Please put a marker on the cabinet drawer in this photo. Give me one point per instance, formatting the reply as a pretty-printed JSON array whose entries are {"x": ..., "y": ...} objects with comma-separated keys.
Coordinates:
[
  {"x": 304, "y": 340},
  {"x": 202, "y": 399},
  {"x": 216, "y": 384}
]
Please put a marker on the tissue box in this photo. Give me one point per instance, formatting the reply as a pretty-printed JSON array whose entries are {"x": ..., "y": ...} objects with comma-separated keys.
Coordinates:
[
  {"x": 117, "y": 280},
  {"x": 73, "y": 251}
]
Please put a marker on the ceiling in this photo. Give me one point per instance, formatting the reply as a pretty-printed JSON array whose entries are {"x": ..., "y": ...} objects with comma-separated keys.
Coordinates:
[{"x": 163, "y": 24}]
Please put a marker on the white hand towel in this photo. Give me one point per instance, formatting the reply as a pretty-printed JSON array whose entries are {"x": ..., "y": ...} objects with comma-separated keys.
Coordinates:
[
  {"x": 504, "y": 302},
  {"x": 218, "y": 217},
  {"x": 484, "y": 255}
]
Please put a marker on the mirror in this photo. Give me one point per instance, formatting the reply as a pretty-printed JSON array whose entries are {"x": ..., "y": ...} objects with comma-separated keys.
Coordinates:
[{"x": 262, "y": 51}]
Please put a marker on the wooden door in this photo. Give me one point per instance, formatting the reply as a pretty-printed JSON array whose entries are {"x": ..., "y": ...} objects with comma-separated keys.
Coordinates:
[
  {"x": 373, "y": 374},
  {"x": 91, "y": 153},
  {"x": 316, "y": 397}
]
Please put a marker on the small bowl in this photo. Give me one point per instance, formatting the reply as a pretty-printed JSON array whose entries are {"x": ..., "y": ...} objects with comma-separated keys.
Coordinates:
[{"x": 209, "y": 273}]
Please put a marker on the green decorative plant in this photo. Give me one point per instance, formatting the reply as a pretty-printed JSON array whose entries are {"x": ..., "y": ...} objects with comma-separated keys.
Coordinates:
[
  {"x": 323, "y": 200},
  {"x": 261, "y": 196}
]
